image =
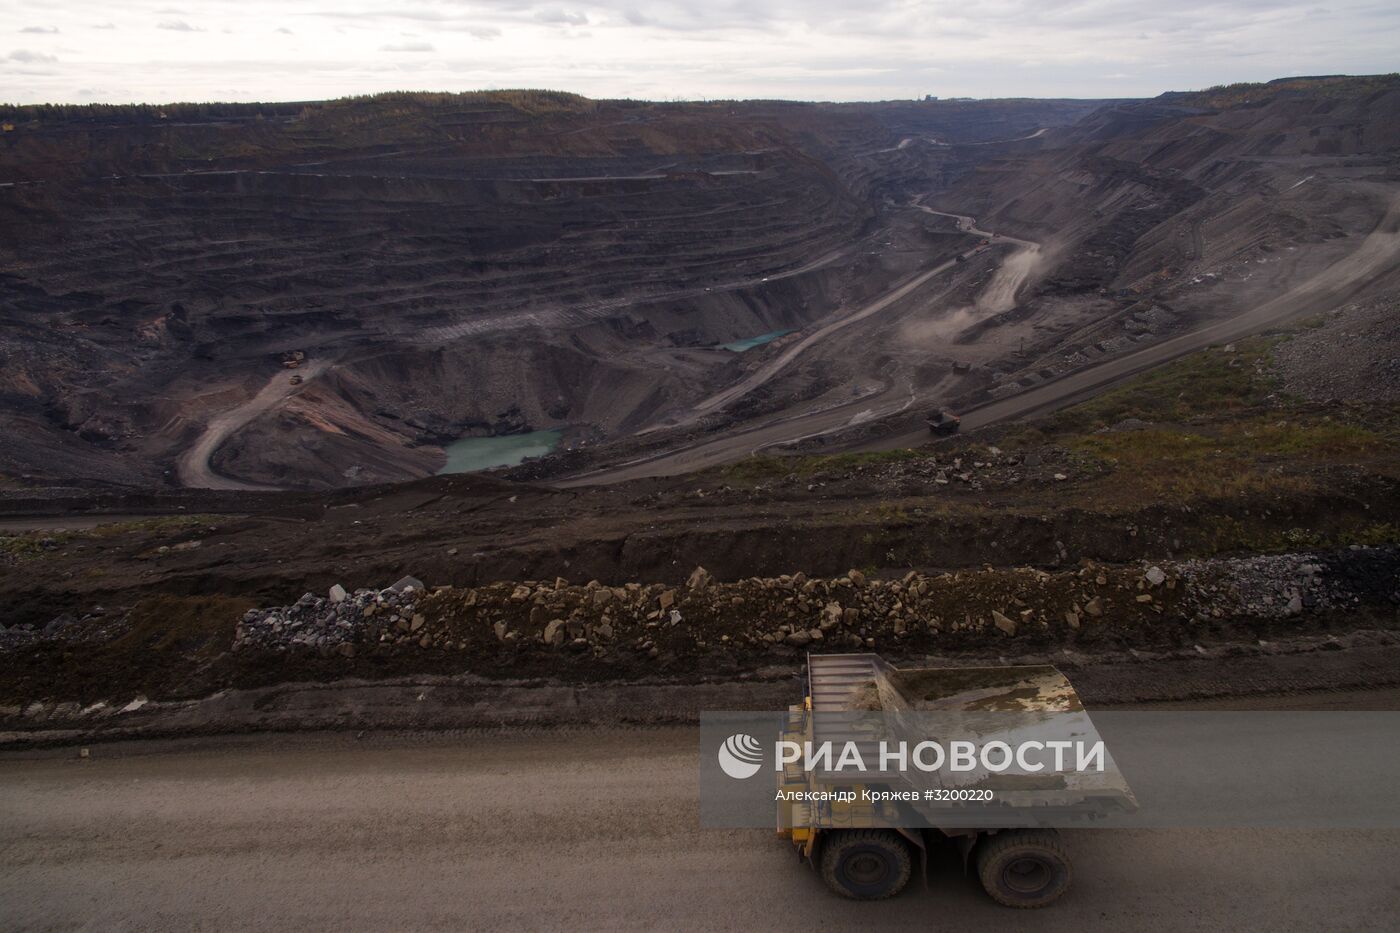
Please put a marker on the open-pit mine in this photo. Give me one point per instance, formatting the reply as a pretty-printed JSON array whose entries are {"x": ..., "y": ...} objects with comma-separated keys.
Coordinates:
[
  {"x": 488, "y": 442},
  {"x": 336, "y": 294}
]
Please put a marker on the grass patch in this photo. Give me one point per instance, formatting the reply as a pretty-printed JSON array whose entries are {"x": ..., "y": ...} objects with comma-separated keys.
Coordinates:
[
  {"x": 21, "y": 547},
  {"x": 182, "y": 624},
  {"x": 1225, "y": 534},
  {"x": 1201, "y": 386},
  {"x": 163, "y": 524},
  {"x": 1233, "y": 458},
  {"x": 167, "y": 648},
  {"x": 28, "y": 545},
  {"x": 1217, "y": 425},
  {"x": 1167, "y": 463},
  {"x": 1315, "y": 439},
  {"x": 1206, "y": 384}
]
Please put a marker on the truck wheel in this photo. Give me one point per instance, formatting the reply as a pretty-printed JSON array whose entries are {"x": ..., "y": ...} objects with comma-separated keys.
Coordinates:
[
  {"x": 1024, "y": 867},
  {"x": 866, "y": 864}
]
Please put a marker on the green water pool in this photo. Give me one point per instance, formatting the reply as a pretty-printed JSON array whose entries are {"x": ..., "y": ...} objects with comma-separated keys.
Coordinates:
[
  {"x": 748, "y": 343},
  {"x": 483, "y": 453}
]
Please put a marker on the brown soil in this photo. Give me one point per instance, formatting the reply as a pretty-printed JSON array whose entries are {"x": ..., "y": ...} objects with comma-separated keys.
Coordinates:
[{"x": 467, "y": 531}]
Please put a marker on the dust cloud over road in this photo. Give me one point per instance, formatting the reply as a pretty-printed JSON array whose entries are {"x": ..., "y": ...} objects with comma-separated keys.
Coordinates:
[
  {"x": 770, "y": 369},
  {"x": 998, "y": 295},
  {"x": 572, "y": 829},
  {"x": 1011, "y": 274}
]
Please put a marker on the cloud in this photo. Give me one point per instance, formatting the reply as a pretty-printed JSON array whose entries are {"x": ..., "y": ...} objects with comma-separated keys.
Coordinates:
[
  {"x": 669, "y": 49},
  {"x": 284, "y": 31},
  {"x": 41, "y": 30},
  {"x": 557, "y": 16},
  {"x": 29, "y": 58}
]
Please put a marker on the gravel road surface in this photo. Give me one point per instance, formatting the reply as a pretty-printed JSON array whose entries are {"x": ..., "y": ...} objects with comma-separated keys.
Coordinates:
[{"x": 566, "y": 829}]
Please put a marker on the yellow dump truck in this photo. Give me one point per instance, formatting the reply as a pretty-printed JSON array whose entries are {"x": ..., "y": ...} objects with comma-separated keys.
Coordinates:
[
  {"x": 943, "y": 423},
  {"x": 864, "y": 850}
]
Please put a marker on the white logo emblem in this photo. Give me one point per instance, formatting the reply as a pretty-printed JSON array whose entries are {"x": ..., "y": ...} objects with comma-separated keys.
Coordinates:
[{"x": 740, "y": 756}]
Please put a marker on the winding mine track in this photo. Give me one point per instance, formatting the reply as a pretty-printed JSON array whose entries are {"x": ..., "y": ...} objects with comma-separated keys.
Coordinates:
[
  {"x": 1375, "y": 261},
  {"x": 1000, "y": 291},
  {"x": 770, "y": 369},
  {"x": 193, "y": 466}
]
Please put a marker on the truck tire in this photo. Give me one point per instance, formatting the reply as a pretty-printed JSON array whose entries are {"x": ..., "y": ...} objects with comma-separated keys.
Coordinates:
[
  {"x": 865, "y": 864},
  {"x": 1024, "y": 867}
]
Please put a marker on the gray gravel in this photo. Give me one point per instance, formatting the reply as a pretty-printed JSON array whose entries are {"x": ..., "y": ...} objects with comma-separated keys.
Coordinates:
[
  {"x": 1353, "y": 356},
  {"x": 1281, "y": 585},
  {"x": 577, "y": 830},
  {"x": 331, "y": 622}
]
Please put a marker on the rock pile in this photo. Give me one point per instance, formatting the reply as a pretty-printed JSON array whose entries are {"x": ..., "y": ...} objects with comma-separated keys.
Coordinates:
[
  {"x": 520, "y": 624},
  {"x": 787, "y": 614},
  {"x": 1282, "y": 585},
  {"x": 1350, "y": 356},
  {"x": 335, "y": 622},
  {"x": 94, "y": 625}
]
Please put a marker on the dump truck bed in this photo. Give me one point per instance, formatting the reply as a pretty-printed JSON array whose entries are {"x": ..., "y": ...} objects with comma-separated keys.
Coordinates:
[
  {"x": 838, "y": 683},
  {"x": 850, "y": 692}
]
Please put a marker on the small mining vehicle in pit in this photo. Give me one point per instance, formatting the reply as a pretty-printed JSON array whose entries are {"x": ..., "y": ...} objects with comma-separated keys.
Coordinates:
[
  {"x": 943, "y": 423},
  {"x": 870, "y": 851}
]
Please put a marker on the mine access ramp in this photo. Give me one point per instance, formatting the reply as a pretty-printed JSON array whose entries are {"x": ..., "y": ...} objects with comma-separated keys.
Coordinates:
[{"x": 865, "y": 830}]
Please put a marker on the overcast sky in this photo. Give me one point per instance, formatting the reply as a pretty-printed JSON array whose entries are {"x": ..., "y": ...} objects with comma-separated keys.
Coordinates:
[{"x": 85, "y": 50}]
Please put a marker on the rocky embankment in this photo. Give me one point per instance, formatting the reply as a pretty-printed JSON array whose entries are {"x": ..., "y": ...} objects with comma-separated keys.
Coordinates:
[
  {"x": 363, "y": 657},
  {"x": 1349, "y": 355},
  {"x": 535, "y": 622}
]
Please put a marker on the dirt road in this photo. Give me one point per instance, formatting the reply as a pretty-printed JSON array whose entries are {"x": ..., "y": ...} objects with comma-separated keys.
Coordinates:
[
  {"x": 1375, "y": 262},
  {"x": 193, "y": 465},
  {"x": 733, "y": 445},
  {"x": 999, "y": 295},
  {"x": 575, "y": 315},
  {"x": 580, "y": 830},
  {"x": 776, "y": 365},
  {"x": 736, "y": 444}
]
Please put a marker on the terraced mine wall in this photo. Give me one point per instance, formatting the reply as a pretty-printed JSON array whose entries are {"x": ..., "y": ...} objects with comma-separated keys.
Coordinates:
[
  {"x": 456, "y": 264},
  {"x": 402, "y": 240}
]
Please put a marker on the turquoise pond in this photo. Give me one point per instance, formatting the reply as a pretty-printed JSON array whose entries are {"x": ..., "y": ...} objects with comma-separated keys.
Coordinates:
[
  {"x": 748, "y": 343},
  {"x": 482, "y": 453}
]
